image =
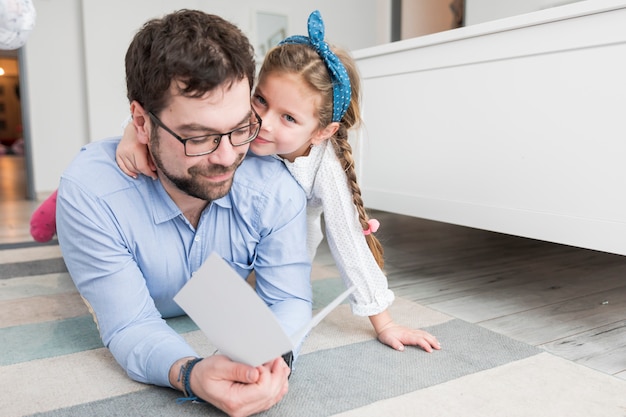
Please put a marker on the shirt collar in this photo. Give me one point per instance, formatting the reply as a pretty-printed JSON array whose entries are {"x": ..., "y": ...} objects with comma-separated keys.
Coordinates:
[{"x": 164, "y": 209}]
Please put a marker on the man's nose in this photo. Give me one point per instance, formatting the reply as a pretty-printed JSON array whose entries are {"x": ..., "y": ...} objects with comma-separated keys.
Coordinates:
[{"x": 226, "y": 154}]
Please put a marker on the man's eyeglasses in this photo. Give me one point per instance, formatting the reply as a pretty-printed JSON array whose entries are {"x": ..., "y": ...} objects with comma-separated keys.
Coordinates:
[{"x": 205, "y": 144}]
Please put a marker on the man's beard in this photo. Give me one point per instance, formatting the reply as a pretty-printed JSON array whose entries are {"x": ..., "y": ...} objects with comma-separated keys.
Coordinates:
[{"x": 192, "y": 184}]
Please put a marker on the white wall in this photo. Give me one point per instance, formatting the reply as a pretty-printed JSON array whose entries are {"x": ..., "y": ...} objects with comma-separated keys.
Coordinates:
[
  {"x": 75, "y": 61},
  {"x": 480, "y": 11},
  {"x": 56, "y": 95}
]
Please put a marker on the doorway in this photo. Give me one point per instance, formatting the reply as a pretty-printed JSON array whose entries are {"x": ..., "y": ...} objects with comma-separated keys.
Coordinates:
[{"x": 13, "y": 158}]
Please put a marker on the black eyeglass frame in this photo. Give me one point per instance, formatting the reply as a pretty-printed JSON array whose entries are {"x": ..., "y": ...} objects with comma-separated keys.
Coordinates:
[{"x": 218, "y": 136}]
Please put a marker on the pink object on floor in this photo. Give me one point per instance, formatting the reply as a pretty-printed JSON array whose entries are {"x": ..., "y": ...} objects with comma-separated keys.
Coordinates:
[{"x": 43, "y": 224}]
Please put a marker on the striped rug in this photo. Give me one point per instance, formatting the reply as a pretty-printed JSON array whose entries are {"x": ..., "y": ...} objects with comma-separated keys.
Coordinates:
[{"x": 52, "y": 362}]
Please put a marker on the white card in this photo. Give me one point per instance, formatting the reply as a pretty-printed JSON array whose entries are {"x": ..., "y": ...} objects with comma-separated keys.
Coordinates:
[{"x": 234, "y": 318}]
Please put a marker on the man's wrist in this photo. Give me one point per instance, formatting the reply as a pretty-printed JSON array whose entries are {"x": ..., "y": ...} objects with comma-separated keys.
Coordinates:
[
  {"x": 175, "y": 373},
  {"x": 184, "y": 378}
]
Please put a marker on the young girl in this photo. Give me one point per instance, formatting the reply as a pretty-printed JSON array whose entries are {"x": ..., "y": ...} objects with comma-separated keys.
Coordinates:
[{"x": 308, "y": 98}]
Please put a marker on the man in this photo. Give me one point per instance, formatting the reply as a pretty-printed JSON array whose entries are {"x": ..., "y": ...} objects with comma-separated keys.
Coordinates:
[{"x": 131, "y": 244}]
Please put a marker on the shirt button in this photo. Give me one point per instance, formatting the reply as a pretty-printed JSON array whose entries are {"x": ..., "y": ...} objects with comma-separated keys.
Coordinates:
[{"x": 196, "y": 239}]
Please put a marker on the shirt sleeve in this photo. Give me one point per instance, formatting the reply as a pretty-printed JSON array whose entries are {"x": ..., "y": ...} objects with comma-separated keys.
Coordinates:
[
  {"x": 346, "y": 241},
  {"x": 111, "y": 282},
  {"x": 17, "y": 20},
  {"x": 282, "y": 265},
  {"x": 283, "y": 274}
]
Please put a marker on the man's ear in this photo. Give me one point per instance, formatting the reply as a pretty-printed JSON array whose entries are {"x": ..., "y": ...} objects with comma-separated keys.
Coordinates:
[
  {"x": 325, "y": 133},
  {"x": 140, "y": 120}
]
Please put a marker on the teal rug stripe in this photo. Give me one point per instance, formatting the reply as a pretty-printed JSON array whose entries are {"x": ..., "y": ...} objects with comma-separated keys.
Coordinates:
[
  {"x": 29, "y": 268},
  {"x": 325, "y": 291},
  {"x": 62, "y": 337},
  {"x": 182, "y": 324},
  {"x": 332, "y": 381},
  {"x": 48, "y": 339}
]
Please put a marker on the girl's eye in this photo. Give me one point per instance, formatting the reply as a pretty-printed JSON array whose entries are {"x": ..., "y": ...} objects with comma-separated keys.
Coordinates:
[
  {"x": 290, "y": 119},
  {"x": 260, "y": 100}
]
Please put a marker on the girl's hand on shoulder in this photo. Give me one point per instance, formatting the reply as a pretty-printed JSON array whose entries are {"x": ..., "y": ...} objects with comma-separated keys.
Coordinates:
[
  {"x": 397, "y": 337},
  {"x": 132, "y": 156}
]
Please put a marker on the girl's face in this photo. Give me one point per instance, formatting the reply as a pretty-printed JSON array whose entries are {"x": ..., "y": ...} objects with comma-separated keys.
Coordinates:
[{"x": 288, "y": 108}]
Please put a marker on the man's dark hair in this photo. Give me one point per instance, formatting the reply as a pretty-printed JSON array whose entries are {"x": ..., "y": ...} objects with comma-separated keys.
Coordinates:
[{"x": 199, "y": 50}]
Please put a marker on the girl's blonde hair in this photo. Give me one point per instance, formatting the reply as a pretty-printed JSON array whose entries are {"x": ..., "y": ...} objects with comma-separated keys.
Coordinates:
[{"x": 302, "y": 60}]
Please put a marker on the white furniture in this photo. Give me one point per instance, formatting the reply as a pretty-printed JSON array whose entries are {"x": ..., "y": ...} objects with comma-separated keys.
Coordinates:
[{"x": 515, "y": 126}]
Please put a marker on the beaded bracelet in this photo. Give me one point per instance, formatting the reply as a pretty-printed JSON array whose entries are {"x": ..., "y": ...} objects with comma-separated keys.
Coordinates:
[{"x": 183, "y": 375}]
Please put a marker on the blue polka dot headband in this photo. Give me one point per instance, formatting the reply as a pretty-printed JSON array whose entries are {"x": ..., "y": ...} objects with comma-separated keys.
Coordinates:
[{"x": 338, "y": 74}]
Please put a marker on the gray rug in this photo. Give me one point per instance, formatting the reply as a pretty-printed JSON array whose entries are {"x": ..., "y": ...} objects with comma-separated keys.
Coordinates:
[{"x": 331, "y": 381}]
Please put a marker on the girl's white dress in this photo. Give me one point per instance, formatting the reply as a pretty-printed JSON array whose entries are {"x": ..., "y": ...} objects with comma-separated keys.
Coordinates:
[{"x": 321, "y": 176}]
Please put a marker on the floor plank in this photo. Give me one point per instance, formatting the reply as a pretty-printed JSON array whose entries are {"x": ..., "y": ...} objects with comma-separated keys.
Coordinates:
[
  {"x": 517, "y": 295},
  {"x": 601, "y": 348},
  {"x": 555, "y": 321}
]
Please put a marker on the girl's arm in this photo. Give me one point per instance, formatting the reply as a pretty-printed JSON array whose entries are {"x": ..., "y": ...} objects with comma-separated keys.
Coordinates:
[
  {"x": 133, "y": 157},
  {"x": 355, "y": 261}
]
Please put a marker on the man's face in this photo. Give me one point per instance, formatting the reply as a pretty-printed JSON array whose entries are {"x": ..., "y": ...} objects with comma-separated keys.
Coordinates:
[{"x": 207, "y": 177}]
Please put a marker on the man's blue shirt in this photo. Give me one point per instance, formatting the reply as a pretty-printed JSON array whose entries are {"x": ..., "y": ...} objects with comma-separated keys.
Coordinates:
[{"x": 129, "y": 250}]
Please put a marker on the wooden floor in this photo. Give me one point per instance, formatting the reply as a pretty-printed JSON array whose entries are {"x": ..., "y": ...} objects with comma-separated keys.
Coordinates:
[{"x": 568, "y": 301}]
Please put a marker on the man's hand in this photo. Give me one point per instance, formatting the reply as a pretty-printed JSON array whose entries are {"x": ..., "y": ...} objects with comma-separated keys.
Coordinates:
[{"x": 237, "y": 389}]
